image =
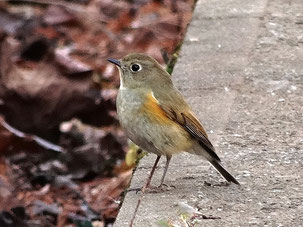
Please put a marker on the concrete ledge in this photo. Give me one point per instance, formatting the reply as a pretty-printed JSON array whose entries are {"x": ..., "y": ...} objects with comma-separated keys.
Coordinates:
[{"x": 241, "y": 70}]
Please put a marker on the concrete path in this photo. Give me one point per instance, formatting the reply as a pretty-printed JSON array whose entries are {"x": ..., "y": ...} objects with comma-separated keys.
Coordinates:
[{"x": 241, "y": 69}]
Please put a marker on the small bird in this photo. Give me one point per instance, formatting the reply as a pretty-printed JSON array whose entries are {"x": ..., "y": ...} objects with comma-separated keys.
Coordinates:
[{"x": 156, "y": 117}]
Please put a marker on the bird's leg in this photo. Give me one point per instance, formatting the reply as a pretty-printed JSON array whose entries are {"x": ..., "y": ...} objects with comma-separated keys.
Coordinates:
[
  {"x": 144, "y": 188},
  {"x": 168, "y": 158},
  {"x": 148, "y": 179},
  {"x": 151, "y": 174}
]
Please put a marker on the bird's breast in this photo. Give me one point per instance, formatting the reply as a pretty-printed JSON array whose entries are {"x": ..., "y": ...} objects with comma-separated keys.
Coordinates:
[{"x": 147, "y": 124}]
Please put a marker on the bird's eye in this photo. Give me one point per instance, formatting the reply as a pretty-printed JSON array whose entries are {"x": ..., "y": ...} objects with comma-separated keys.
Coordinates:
[{"x": 135, "y": 67}]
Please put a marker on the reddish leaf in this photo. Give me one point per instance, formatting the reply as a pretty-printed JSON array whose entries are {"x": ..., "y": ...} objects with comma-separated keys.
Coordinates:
[{"x": 56, "y": 15}]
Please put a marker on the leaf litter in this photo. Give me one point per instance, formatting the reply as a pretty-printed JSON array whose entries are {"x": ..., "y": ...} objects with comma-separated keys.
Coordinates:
[{"x": 61, "y": 148}]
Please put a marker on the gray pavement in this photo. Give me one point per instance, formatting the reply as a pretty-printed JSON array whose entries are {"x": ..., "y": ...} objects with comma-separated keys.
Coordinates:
[{"x": 241, "y": 69}]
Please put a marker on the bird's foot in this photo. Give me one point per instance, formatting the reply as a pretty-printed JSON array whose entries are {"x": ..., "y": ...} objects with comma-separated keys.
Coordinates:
[
  {"x": 134, "y": 190},
  {"x": 147, "y": 189},
  {"x": 153, "y": 189},
  {"x": 162, "y": 188}
]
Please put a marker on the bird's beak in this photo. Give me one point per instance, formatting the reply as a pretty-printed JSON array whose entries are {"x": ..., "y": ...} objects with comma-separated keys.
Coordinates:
[{"x": 114, "y": 61}]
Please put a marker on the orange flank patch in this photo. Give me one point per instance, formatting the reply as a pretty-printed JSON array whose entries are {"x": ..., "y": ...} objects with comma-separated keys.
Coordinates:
[{"x": 152, "y": 109}]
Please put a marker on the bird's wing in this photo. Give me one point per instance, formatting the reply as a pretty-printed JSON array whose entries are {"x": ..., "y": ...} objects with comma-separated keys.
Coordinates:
[
  {"x": 192, "y": 125},
  {"x": 179, "y": 112}
]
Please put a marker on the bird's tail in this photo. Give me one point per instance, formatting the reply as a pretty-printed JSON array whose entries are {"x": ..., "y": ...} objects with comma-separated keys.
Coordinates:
[{"x": 217, "y": 164}]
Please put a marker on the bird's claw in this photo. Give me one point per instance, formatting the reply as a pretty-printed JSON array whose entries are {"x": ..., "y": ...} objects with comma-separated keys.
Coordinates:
[{"x": 134, "y": 190}]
